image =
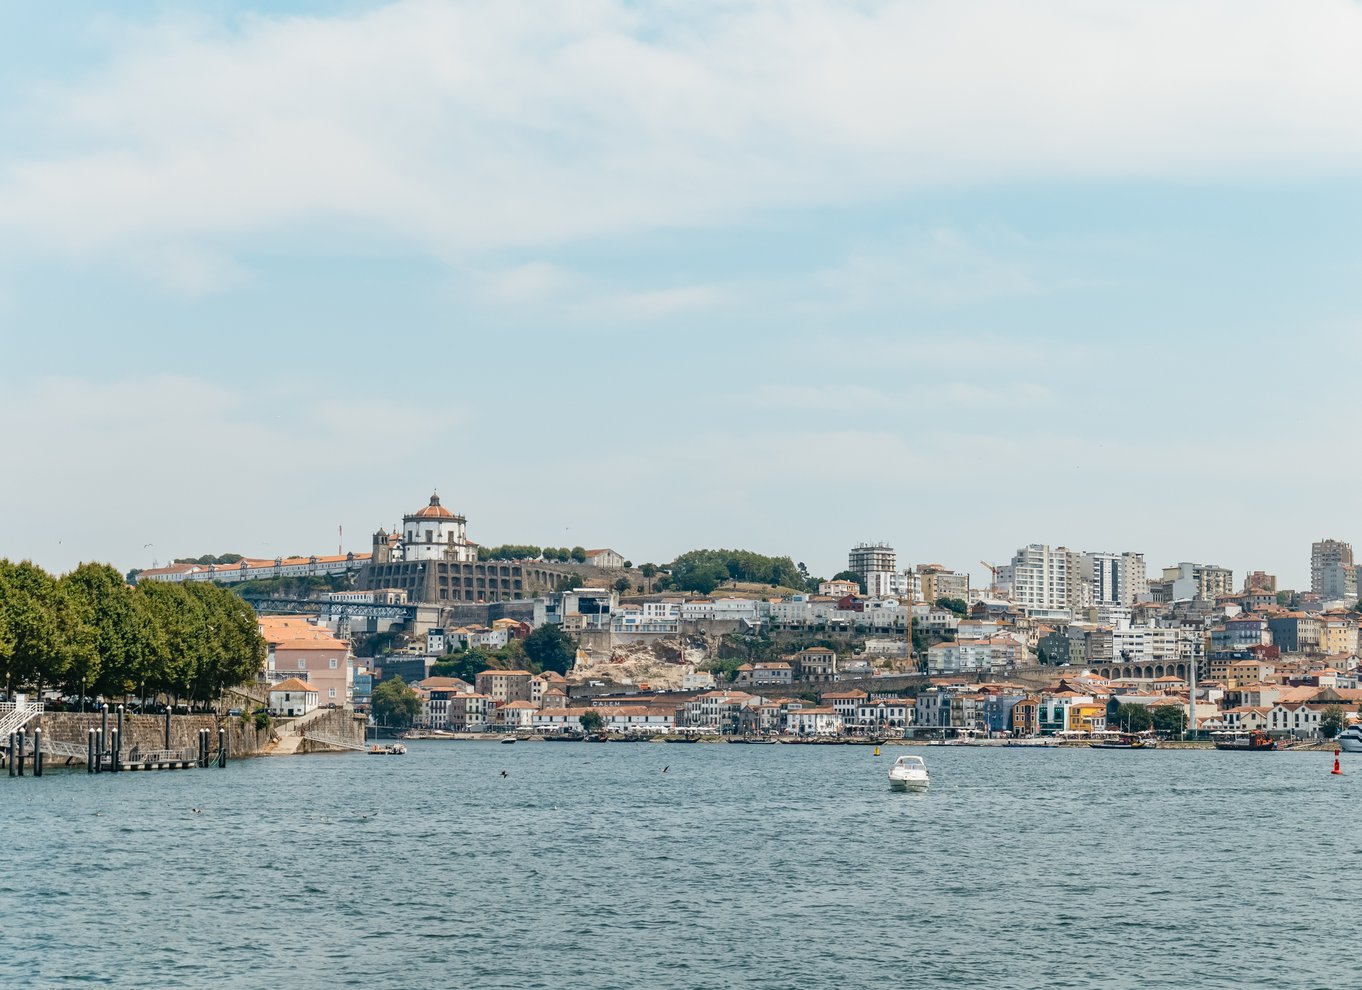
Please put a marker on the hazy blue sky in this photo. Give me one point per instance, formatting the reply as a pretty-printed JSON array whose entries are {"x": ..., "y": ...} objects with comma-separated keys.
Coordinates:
[{"x": 955, "y": 274}]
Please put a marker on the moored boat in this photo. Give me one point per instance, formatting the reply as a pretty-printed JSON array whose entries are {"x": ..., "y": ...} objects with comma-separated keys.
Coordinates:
[
  {"x": 1350, "y": 739},
  {"x": 1127, "y": 740},
  {"x": 909, "y": 773},
  {"x": 1252, "y": 741}
]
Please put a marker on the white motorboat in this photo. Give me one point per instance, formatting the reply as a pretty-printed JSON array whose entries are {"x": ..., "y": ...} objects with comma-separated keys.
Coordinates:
[
  {"x": 1350, "y": 739},
  {"x": 909, "y": 773}
]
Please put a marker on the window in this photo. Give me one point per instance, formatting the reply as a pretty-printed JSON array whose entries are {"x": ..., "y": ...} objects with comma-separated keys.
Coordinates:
[
  {"x": 302, "y": 663},
  {"x": 333, "y": 664},
  {"x": 331, "y": 692}
]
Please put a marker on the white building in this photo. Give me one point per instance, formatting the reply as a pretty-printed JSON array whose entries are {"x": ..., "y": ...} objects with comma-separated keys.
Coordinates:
[
  {"x": 1116, "y": 578},
  {"x": 893, "y": 584},
  {"x": 1049, "y": 582},
  {"x": 1333, "y": 575},
  {"x": 435, "y": 533},
  {"x": 813, "y": 722},
  {"x": 605, "y": 559},
  {"x": 292, "y": 698}
]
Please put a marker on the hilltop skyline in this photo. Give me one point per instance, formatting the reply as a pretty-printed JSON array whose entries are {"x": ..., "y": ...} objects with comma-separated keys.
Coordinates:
[{"x": 959, "y": 276}]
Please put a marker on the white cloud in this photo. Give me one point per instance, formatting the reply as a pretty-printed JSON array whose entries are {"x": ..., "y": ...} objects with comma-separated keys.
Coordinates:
[{"x": 466, "y": 126}]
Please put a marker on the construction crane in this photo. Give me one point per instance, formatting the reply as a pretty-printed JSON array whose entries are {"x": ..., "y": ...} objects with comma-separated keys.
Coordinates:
[{"x": 993, "y": 579}]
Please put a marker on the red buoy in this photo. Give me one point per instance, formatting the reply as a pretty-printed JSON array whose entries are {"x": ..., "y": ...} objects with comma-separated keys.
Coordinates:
[{"x": 1337, "y": 769}]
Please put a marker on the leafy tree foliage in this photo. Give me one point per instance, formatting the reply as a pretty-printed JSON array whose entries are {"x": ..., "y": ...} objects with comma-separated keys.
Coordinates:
[
  {"x": 1332, "y": 720},
  {"x": 208, "y": 558},
  {"x": 957, "y": 605},
  {"x": 704, "y": 570},
  {"x": 579, "y": 554},
  {"x": 549, "y": 648},
  {"x": 1132, "y": 718},
  {"x": 592, "y": 720},
  {"x": 89, "y": 633},
  {"x": 394, "y": 703},
  {"x": 1169, "y": 720},
  {"x": 622, "y": 585},
  {"x": 510, "y": 551}
]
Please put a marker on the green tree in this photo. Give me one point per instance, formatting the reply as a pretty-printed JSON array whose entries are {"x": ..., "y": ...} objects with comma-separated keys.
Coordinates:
[
  {"x": 35, "y": 622},
  {"x": 649, "y": 571},
  {"x": 851, "y": 576},
  {"x": 394, "y": 703},
  {"x": 704, "y": 570},
  {"x": 592, "y": 720},
  {"x": 1132, "y": 718},
  {"x": 1169, "y": 720},
  {"x": 1332, "y": 720},
  {"x": 725, "y": 669},
  {"x": 549, "y": 648},
  {"x": 622, "y": 585},
  {"x": 465, "y": 665},
  {"x": 956, "y": 605},
  {"x": 579, "y": 554}
]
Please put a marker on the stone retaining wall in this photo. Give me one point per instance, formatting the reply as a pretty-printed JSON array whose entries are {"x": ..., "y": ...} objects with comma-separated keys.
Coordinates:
[{"x": 148, "y": 731}]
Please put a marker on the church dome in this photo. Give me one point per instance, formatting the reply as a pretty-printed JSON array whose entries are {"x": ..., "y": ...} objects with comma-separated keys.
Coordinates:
[{"x": 433, "y": 511}]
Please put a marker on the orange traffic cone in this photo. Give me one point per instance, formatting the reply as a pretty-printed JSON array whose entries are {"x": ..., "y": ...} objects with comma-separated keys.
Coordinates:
[{"x": 1336, "y": 768}]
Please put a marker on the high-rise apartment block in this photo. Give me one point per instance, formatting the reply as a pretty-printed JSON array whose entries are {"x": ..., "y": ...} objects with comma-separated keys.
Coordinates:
[
  {"x": 867, "y": 557},
  {"x": 1048, "y": 580},
  {"x": 1333, "y": 575},
  {"x": 1116, "y": 578}
]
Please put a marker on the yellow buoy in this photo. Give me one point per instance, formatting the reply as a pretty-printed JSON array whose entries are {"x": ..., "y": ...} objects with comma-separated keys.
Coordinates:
[{"x": 877, "y": 751}]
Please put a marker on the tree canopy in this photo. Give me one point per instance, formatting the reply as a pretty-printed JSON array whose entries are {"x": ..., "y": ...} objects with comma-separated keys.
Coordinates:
[
  {"x": 88, "y": 633},
  {"x": 394, "y": 703},
  {"x": 591, "y": 720},
  {"x": 510, "y": 551},
  {"x": 702, "y": 571},
  {"x": 850, "y": 576},
  {"x": 1332, "y": 721},
  {"x": 549, "y": 648},
  {"x": 957, "y": 605}
]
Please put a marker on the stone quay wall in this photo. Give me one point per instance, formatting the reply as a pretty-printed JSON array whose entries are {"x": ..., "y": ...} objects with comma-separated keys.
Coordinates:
[
  {"x": 148, "y": 731},
  {"x": 340, "y": 723}
]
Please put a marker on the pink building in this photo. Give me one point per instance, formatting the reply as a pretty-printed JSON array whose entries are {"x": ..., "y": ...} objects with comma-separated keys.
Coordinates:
[{"x": 297, "y": 648}]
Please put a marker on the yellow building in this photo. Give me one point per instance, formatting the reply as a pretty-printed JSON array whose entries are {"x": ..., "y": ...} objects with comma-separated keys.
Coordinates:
[
  {"x": 1088, "y": 716},
  {"x": 1337, "y": 634}
]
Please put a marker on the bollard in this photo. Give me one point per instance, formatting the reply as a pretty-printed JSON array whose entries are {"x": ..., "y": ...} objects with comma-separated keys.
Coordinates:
[
  {"x": 120, "y": 729},
  {"x": 22, "y": 740},
  {"x": 37, "y": 752},
  {"x": 90, "y": 751},
  {"x": 115, "y": 743},
  {"x": 167, "y": 731},
  {"x": 103, "y": 728},
  {"x": 9, "y": 754},
  {"x": 222, "y": 748},
  {"x": 202, "y": 760}
]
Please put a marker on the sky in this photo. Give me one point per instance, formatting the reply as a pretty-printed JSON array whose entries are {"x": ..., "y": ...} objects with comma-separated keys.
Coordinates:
[{"x": 958, "y": 275}]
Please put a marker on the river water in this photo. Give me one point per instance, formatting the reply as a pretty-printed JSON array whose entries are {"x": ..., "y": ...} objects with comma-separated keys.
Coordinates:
[{"x": 647, "y": 866}]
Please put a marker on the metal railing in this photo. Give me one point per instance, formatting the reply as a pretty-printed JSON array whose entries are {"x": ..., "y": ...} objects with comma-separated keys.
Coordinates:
[
  {"x": 14, "y": 715},
  {"x": 337, "y": 741}
]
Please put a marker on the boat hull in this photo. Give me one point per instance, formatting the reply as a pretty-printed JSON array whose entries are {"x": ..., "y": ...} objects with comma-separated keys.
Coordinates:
[
  {"x": 908, "y": 784},
  {"x": 1350, "y": 744}
]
